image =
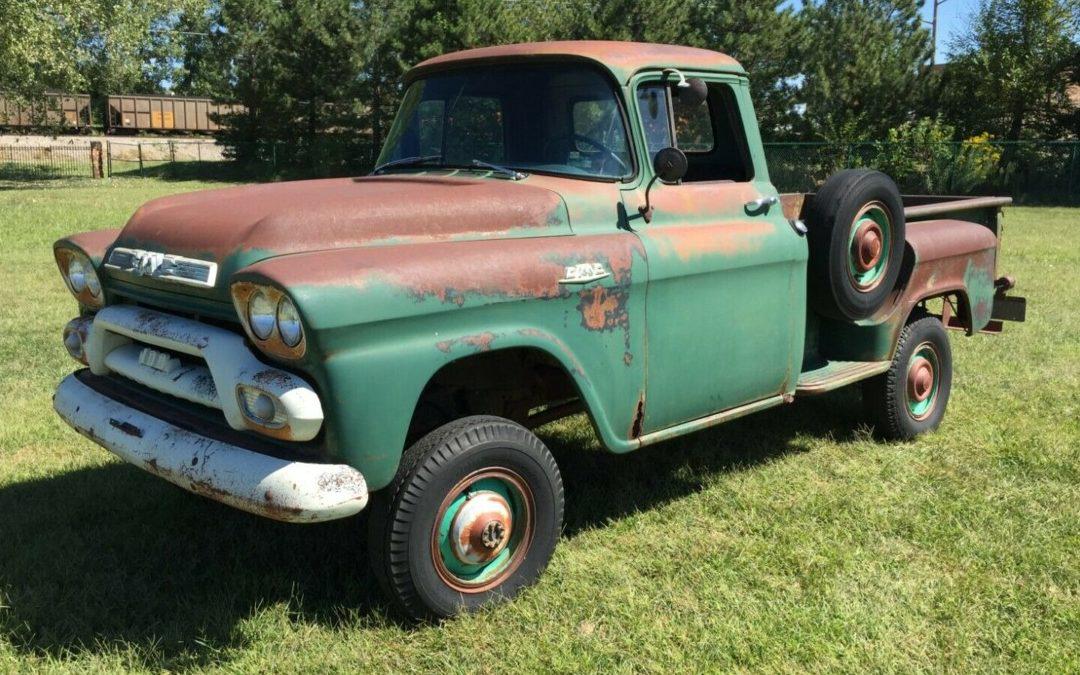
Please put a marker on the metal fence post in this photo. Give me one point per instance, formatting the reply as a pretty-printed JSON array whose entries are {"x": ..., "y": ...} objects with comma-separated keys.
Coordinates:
[
  {"x": 1072, "y": 165},
  {"x": 95, "y": 160},
  {"x": 139, "y": 146},
  {"x": 108, "y": 156}
]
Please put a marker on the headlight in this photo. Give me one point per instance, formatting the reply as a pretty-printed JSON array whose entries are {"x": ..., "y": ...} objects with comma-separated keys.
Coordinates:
[
  {"x": 261, "y": 315},
  {"x": 271, "y": 319},
  {"x": 77, "y": 274},
  {"x": 81, "y": 277},
  {"x": 288, "y": 322}
]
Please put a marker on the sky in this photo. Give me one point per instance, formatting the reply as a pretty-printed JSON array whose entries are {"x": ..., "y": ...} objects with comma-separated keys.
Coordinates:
[{"x": 952, "y": 17}]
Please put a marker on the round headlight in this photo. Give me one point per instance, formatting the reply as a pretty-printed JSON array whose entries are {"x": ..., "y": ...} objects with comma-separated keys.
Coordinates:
[
  {"x": 93, "y": 284},
  {"x": 261, "y": 315},
  {"x": 76, "y": 273},
  {"x": 288, "y": 323}
]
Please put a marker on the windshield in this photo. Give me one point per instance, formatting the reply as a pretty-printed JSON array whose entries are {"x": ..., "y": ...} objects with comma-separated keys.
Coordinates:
[{"x": 562, "y": 119}]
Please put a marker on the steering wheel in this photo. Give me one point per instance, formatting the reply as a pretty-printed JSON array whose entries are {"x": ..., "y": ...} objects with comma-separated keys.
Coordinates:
[{"x": 593, "y": 142}]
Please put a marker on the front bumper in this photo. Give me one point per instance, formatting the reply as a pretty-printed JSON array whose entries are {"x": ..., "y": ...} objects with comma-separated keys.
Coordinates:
[{"x": 289, "y": 491}]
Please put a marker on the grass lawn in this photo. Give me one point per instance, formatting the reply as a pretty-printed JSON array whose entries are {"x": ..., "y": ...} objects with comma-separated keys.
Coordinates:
[{"x": 789, "y": 540}]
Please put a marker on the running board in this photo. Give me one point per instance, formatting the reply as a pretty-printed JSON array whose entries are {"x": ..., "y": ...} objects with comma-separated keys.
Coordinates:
[{"x": 836, "y": 374}]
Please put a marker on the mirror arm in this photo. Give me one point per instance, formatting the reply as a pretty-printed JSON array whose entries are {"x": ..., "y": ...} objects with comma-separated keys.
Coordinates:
[{"x": 646, "y": 210}]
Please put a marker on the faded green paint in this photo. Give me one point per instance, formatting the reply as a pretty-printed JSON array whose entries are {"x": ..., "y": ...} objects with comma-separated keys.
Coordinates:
[
  {"x": 701, "y": 319},
  {"x": 726, "y": 288}
]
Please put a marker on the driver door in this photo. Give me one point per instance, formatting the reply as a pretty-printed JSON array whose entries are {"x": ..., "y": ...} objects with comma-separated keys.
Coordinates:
[{"x": 725, "y": 308}]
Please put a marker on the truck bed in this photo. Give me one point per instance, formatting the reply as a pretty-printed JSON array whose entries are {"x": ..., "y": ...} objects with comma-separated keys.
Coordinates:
[{"x": 982, "y": 210}]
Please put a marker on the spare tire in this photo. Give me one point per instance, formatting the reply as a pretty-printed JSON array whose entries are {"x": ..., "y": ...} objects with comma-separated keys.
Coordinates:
[{"x": 856, "y": 240}]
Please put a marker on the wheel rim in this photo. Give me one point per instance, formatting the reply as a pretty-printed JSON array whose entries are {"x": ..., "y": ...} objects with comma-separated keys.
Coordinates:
[
  {"x": 869, "y": 246},
  {"x": 483, "y": 530},
  {"x": 923, "y": 379}
]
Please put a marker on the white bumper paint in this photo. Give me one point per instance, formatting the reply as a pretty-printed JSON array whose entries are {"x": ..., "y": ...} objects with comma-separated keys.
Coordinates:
[
  {"x": 275, "y": 488},
  {"x": 119, "y": 332}
]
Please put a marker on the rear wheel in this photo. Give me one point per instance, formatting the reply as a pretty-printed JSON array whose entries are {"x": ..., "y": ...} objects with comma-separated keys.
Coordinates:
[
  {"x": 910, "y": 398},
  {"x": 472, "y": 516}
]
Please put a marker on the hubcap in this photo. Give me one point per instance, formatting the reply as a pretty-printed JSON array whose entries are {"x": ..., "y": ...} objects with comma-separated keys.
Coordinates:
[
  {"x": 869, "y": 240},
  {"x": 869, "y": 247},
  {"x": 481, "y": 527},
  {"x": 922, "y": 381},
  {"x": 483, "y": 530}
]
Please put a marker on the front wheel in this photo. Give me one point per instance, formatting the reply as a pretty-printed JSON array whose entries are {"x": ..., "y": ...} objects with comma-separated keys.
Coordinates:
[
  {"x": 910, "y": 397},
  {"x": 472, "y": 516}
]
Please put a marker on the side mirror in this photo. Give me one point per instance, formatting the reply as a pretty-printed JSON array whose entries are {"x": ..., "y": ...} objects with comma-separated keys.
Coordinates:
[
  {"x": 669, "y": 166},
  {"x": 693, "y": 92}
]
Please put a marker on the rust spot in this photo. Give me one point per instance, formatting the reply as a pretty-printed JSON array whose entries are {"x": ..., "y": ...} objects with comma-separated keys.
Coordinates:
[
  {"x": 126, "y": 428},
  {"x": 273, "y": 378},
  {"x": 639, "y": 417},
  {"x": 480, "y": 342},
  {"x": 627, "y": 358},
  {"x": 340, "y": 481},
  {"x": 203, "y": 385},
  {"x": 603, "y": 309}
]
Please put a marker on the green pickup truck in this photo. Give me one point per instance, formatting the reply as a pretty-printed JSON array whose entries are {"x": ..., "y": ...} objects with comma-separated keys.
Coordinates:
[{"x": 552, "y": 228}]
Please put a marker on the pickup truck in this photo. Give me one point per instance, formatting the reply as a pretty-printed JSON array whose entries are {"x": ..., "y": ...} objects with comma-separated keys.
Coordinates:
[{"x": 551, "y": 229}]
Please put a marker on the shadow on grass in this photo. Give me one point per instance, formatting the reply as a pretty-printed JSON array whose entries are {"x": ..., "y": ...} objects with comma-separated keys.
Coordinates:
[{"x": 99, "y": 557}]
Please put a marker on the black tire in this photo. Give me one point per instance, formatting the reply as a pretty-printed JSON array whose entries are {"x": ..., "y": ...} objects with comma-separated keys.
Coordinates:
[
  {"x": 889, "y": 400},
  {"x": 406, "y": 550},
  {"x": 855, "y": 201}
]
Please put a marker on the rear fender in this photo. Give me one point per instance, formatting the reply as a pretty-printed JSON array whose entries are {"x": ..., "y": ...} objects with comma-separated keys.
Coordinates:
[{"x": 943, "y": 258}]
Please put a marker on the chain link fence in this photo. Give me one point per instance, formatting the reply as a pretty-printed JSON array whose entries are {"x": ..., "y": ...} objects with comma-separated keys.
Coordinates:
[{"x": 1030, "y": 171}]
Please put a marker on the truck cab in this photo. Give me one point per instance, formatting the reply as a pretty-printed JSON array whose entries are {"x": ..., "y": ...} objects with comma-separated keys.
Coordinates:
[{"x": 551, "y": 228}]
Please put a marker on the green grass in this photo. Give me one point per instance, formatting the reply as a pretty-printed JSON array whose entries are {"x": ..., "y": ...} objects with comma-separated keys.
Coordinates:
[{"x": 785, "y": 541}]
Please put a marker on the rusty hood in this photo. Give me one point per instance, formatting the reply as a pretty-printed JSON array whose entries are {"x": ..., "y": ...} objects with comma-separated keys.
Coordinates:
[{"x": 235, "y": 227}]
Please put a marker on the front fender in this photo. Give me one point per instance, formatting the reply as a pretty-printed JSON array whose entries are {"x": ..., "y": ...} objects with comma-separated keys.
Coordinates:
[
  {"x": 94, "y": 243},
  {"x": 381, "y": 321}
]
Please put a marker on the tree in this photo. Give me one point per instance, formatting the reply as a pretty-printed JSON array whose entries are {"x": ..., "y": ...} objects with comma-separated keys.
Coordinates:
[
  {"x": 38, "y": 43},
  {"x": 1009, "y": 74},
  {"x": 767, "y": 37},
  {"x": 862, "y": 67}
]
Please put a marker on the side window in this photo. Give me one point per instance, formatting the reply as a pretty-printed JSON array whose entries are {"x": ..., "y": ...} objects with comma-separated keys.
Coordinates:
[
  {"x": 710, "y": 133},
  {"x": 729, "y": 157},
  {"x": 655, "y": 117},
  {"x": 475, "y": 130},
  {"x": 693, "y": 126}
]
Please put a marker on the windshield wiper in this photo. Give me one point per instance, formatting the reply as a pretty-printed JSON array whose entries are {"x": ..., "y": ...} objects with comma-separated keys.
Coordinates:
[
  {"x": 406, "y": 161},
  {"x": 511, "y": 173}
]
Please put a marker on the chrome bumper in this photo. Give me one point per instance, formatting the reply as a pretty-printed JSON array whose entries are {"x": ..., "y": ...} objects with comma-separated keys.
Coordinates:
[{"x": 296, "y": 492}]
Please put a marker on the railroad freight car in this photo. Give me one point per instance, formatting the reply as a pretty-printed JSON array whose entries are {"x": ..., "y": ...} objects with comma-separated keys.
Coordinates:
[
  {"x": 165, "y": 113},
  {"x": 70, "y": 111}
]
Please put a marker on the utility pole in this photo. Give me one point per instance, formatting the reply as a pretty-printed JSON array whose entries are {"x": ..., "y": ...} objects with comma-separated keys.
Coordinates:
[{"x": 933, "y": 32}]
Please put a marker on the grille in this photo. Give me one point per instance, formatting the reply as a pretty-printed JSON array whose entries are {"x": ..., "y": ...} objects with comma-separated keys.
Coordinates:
[{"x": 163, "y": 266}]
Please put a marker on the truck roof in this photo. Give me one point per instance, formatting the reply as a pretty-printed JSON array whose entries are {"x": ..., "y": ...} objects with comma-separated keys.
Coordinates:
[{"x": 622, "y": 59}]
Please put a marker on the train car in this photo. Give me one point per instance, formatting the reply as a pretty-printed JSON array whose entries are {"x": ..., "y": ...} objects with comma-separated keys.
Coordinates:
[
  {"x": 70, "y": 111},
  {"x": 165, "y": 113}
]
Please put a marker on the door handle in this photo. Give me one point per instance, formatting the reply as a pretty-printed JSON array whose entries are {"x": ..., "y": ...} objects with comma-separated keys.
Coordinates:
[{"x": 760, "y": 204}]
